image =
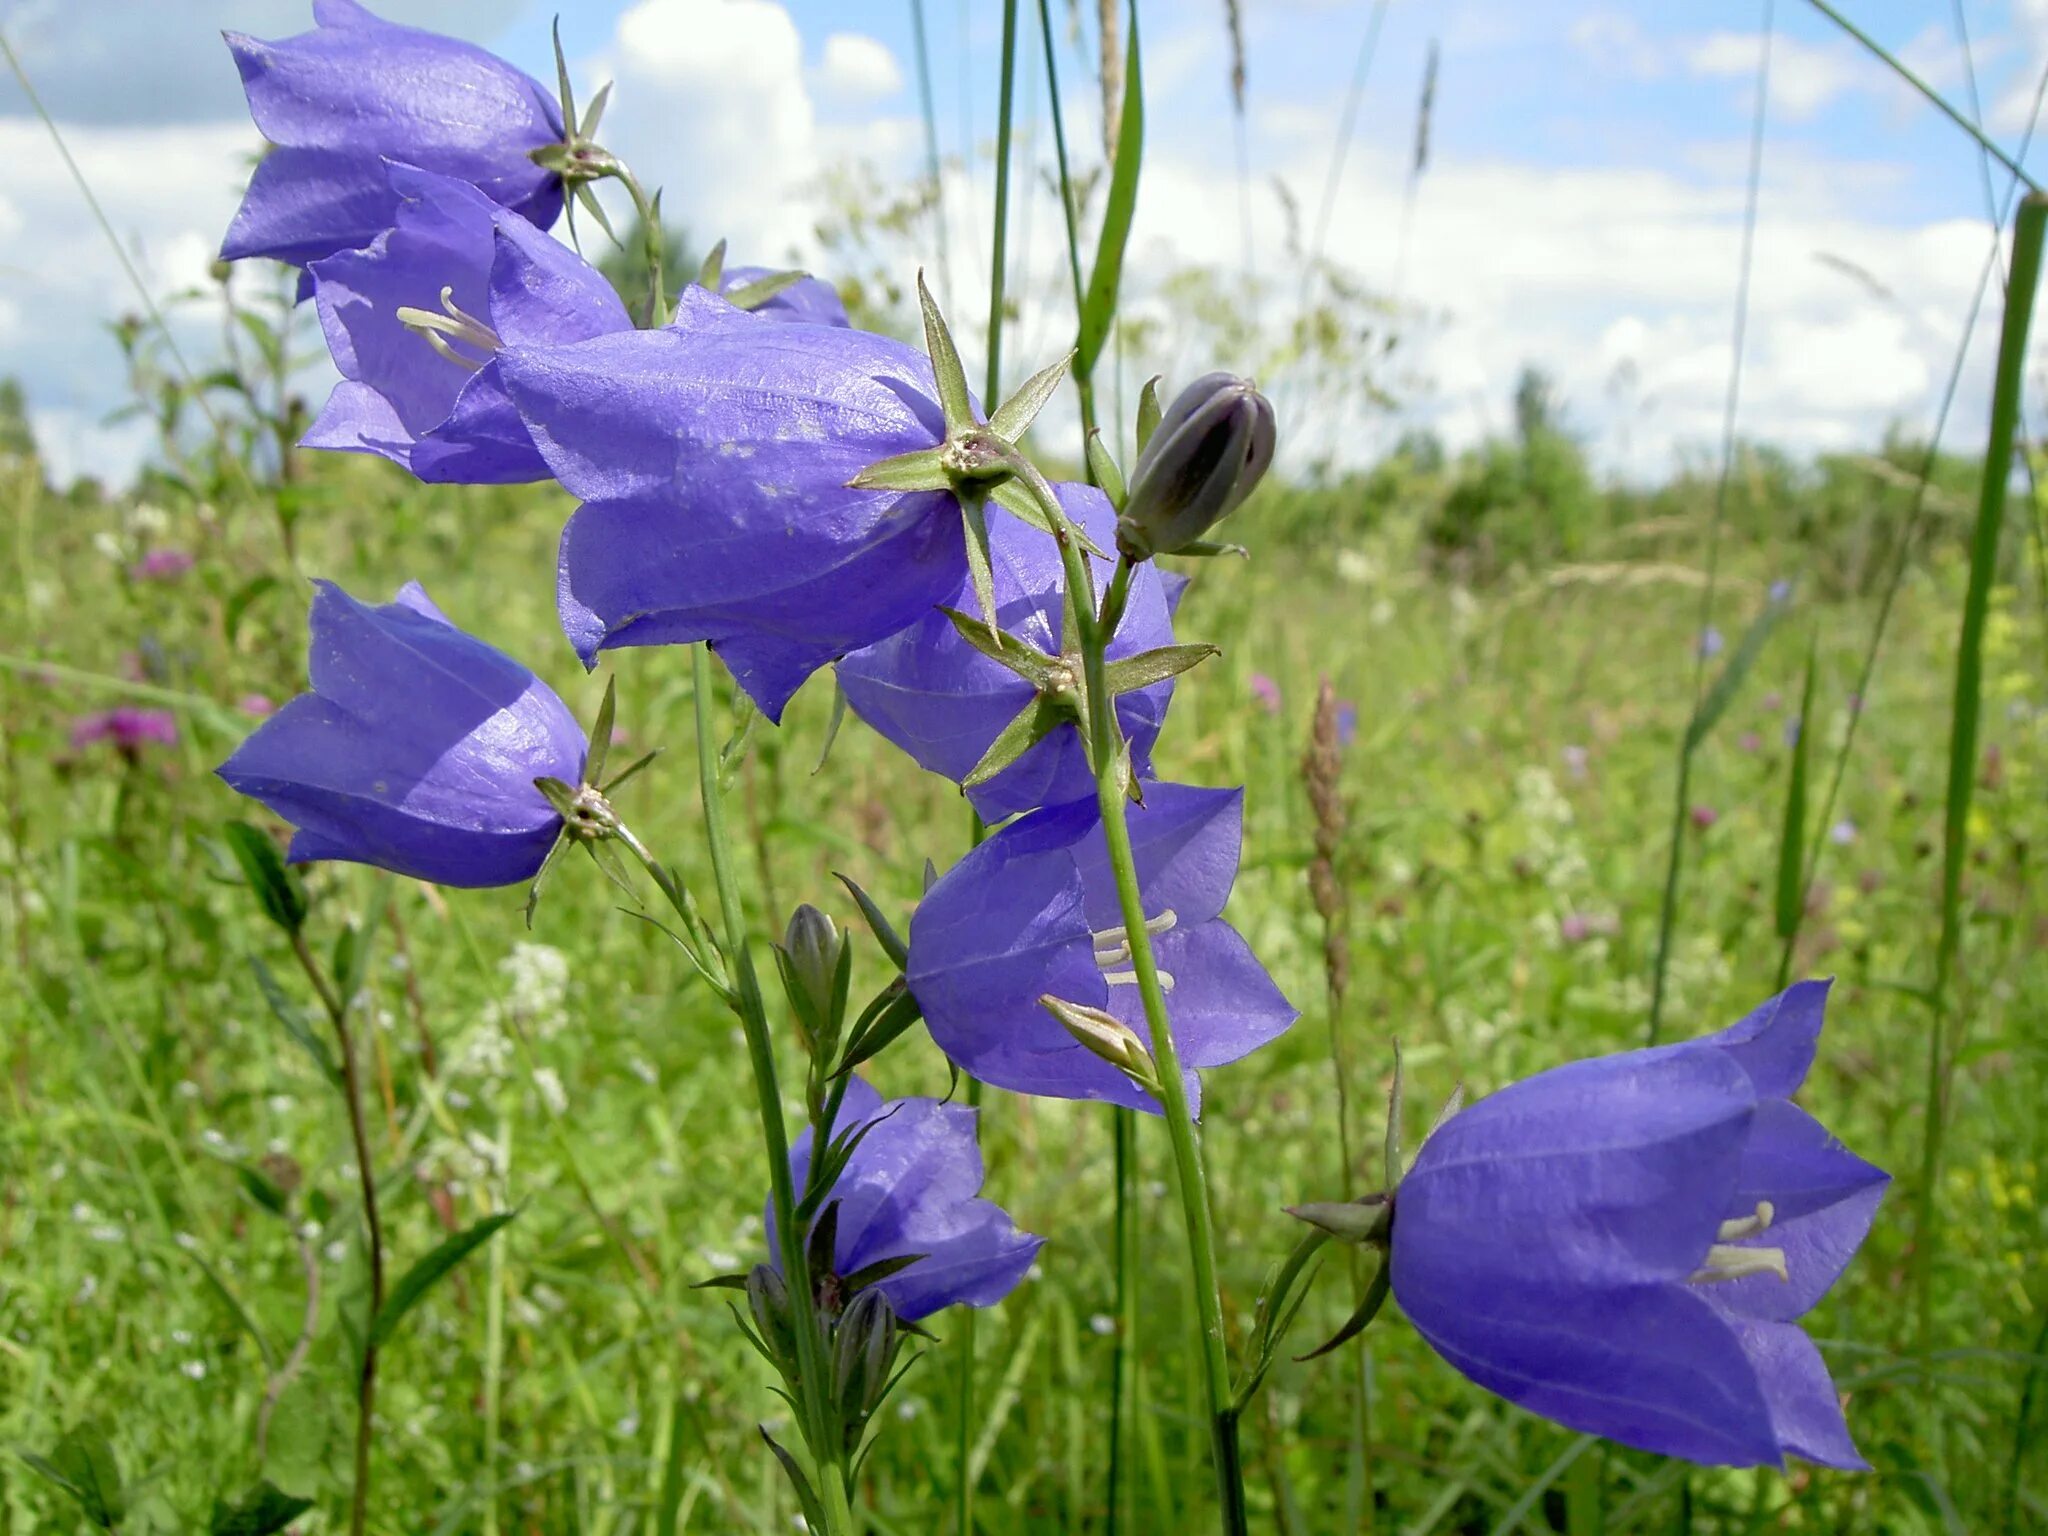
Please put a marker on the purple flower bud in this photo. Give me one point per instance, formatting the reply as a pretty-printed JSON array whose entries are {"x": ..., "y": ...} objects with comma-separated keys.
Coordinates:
[
  {"x": 1575, "y": 759},
  {"x": 128, "y": 728},
  {"x": 1211, "y": 448},
  {"x": 1625, "y": 1244},
  {"x": 338, "y": 102},
  {"x": 415, "y": 321},
  {"x": 911, "y": 1186},
  {"x": 416, "y": 751},
  {"x": 161, "y": 565}
]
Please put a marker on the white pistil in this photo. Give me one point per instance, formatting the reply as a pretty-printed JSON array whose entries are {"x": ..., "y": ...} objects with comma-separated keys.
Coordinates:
[
  {"x": 1113, "y": 945},
  {"x": 453, "y": 324},
  {"x": 1727, "y": 1260}
]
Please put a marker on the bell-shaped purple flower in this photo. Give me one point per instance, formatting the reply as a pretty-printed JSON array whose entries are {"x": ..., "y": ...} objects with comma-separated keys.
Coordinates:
[
  {"x": 1623, "y": 1244},
  {"x": 712, "y": 457},
  {"x": 338, "y": 101},
  {"x": 912, "y": 1186},
  {"x": 416, "y": 751},
  {"x": 809, "y": 299},
  {"x": 944, "y": 702},
  {"x": 1033, "y": 912},
  {"x": 415, "y": 320}
]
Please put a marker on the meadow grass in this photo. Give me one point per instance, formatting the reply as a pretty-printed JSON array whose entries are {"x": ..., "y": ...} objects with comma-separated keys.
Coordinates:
[{"x": 1508, "y": 784}]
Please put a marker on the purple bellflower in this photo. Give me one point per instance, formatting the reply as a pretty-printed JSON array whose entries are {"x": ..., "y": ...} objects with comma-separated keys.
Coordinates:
[
  {"x": 1033, "y": 912},
  {"x": 415, "y": 320},
  {"x": 944, "y": 702},
  {"x": 1624, "y": 1244},
  {"x": 338, "y": 101},
  {"x": 809, "y": 299},
  {"x": 416, "y": 751},
  {"x": 712, "y": 458},
  {"x": 912, "y": 1186}
]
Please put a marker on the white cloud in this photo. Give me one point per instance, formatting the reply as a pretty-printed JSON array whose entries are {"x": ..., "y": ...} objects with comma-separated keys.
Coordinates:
[
  {"x": 858, "y": 70},
  {"x": 1616, "y": 43},
  {"x": 1804, "y": 76}
]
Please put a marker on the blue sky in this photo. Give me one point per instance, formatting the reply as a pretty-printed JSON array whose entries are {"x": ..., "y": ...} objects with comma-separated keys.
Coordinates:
[{"x": 1581, "y": 209}]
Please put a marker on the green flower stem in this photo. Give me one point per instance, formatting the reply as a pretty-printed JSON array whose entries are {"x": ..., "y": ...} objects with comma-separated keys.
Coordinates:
[
  {"x": 1106, "y": 755},
  {"x": 352, "y": 1092},
  {"x": 774, "y": 1135}
]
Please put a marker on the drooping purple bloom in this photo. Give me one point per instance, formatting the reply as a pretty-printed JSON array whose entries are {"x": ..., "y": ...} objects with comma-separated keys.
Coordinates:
[
  {"x": 416, "y": 751},
  {"x": 1033, "y": 911},
  {"x": 129, "y": 729},
  {"x": 913, "y": 1186},
  {"x": 712, "y": 458},
  {"x": 1624, "y": 1244},
  {"x": 339, "y": 101},
  {"x": 944, "y": 702},
  {"x": 809, "y": 299},
  {"x": 456, "y": 267}
]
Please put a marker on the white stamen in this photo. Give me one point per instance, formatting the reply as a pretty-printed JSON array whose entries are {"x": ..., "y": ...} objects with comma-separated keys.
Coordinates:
[
  {"x": 453, "y": 324},
  {"x": 1747, "y": 1226},
  {"x": 1130, "y": 979},
  {"x": 1113, "y": 945},
  {"x": 1728, "y": 1260}
]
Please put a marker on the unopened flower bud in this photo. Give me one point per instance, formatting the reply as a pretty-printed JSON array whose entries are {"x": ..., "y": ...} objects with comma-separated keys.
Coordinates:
[
  {"x": 1108, "y": 1037},
  {"x": 812, "y": 946},
  {"x": 863, "y": 1353},
  {"x": 1211, "y": 447},
  {"x": 768, "y": 1300}
]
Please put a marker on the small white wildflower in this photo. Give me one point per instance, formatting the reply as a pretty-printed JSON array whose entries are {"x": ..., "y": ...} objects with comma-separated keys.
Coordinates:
[
  {"x": 549, "y": 1082},
  {"x": 186, "y": 1089},
  {"x": 88, "y": 1287},
  {"x": 56, "y": 1171},
  {"x": 628, "y": 1426},
  {"x": 336, "y": 1251},
  {"x": 196, "y": 1369},
  {"x": 186, "y": 1241},
  {"x": 181, "y": 1336},
  {"x": 108, "y": 546},
  {"x": 282, "y": 1103},
  {"x": 643, "y": 1069},
  {"x": 1102, "y": 1323},
  {"x": 107, "y": 1232},
  {"x": 83, "y": 1214}
]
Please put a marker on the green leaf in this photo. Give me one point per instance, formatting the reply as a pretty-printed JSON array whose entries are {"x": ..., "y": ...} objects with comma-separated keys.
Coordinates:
[
  {"x": 807, "y": 1499},
  {"x": 946, "y": 370},
  {"x": 587, "y": 200},
  {"x": 1102, "y": 469},
  {"x": 1368, "y": 1308},
  {"x": 1149, "y": 412},
  {"x": 262, "y": 1511},
  {"x": 883, "y": 1031},
  {"x": 880, "y": 926},
  {"x": 1098, "y": 310},
  {"x": 601, "y": 733},
  {"x": 1031, "y": 725},
  {"x": 753, "y": 295},
  {"x": 294, "y": 1020},
  {"x": 832, "y": 725},
  {"x": 1014, "y": 416},
  {"x": 1791, "y": 903},
  {"x": 918, "y": 470},
  {"x": 83, "y": 1465},
  {"x": 414, "y": 1284},
  {"x": 1027, "y": 661},
  {"x": 1142, "y": 671},
  {"x": 237, "y": 606},
  {"x": 713, "y": 269},
  {"x": 277, "y": 891},
  {"x": 1725, "y": 686}
]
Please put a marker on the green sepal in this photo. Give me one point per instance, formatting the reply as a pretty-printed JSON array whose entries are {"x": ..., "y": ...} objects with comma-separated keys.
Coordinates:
[
  {"x": 1149, "y": 412},
  {"x": 1368, "y": 1308},
  {"x": 1015, "y": 497},
  {"x": 601, "y": 733},
  {"x": 566, "y": 94},
  {"x": 1349, "y": 1221},
  {"x": 830, "y": 1165},
  {"x": 918, "y": 470},
  {"x": 980, "y": 569},
  {"x": 881, "y": 1023},
  {"x": 880, "y": 926},
  {"x": 1208, "y": 549},
  {"x": 832, "y": 725},
  {"x": 880, "y": 1270},
  {"x": 1014, "y": 416},
  {"x": 1156, "y": 666},
  {"x": 630, "y": 770},
  {"x": 1031, "y": 725},
  {"x": 1027, "y": 661},
  {"x": 587, "y": 200},
  {"x": 1102, "y": 469},
  {"x": 594, "y": 115},
  {"x": 276, "y": 889},
  {"x": 713, "y": 268},
  {"x": 947, "y": 371},
  {"x": 557, "y": 793},
  {"x": 758, "y": 292},
  {"x": 736, "y": 1281}
]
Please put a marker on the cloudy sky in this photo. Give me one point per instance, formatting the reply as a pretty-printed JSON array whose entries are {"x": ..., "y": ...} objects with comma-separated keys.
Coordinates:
[{"x": 1581, "y": 208}]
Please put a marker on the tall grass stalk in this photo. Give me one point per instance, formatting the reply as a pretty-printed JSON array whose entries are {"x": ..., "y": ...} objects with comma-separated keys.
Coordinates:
[
  {"x": 1945, "y": 1036},
  {"x": 934, "y": 168},
  {"x": 1667, "y": 912}
]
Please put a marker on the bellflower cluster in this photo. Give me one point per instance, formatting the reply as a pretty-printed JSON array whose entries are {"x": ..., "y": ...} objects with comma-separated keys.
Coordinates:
[
  {"x": 416, "y": 750},
  {"x": 340, "y": 101},
  {"x": 1625, "y": 1244}
]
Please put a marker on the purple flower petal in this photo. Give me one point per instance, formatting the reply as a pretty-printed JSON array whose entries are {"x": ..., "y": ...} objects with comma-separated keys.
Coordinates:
[
  {"x": 1805, "y": 1409},
  {"x": 809, "y": 299},
  {"x": 1775, "y": 1042}
]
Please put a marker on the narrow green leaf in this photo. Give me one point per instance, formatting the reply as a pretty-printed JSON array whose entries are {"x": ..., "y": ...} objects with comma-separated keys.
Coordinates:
[
  {"x": 276, "y": 889},
  {"x": 807, "y": 1499},
  {"x": 1368, "y": 1308},
  {"x": 1031, "y": 725},
  {"x": 880, "y": 926},
  {"x": 918, "y": 470},
  {"x": 753, "y": 295},
  {"x": 262, "y": 1511},
  {"x": 1142, "y": 671},
  {"x": 980, "y": 572},
  {"x": 632, "y": 768},
  {"x": 1791, "y": 903},
  {"x": 832, "y": 725},
  {"x": 414, "y": 1284},
  {"x": 709, "y": 275},
  {"x": 1027, "y": 661},
  {"x": 294, "y": 1020},
  {"x": 1208, "y": 549},
  {"x": 1149, "y": 412},
  {"x": 83, "y": 1465},
  {"x": 1014, "y": 416},
  {"x": 880, "y": 1025},
  {"x": 1102, "y": 469},
  {"x": 1098, "y": 310},
  {"x": 601, "y": 733},
  {"x": 1722, "y": 693},
  {"x": 950, "y": 377},
  {"x": 877, "y": 1272}
]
